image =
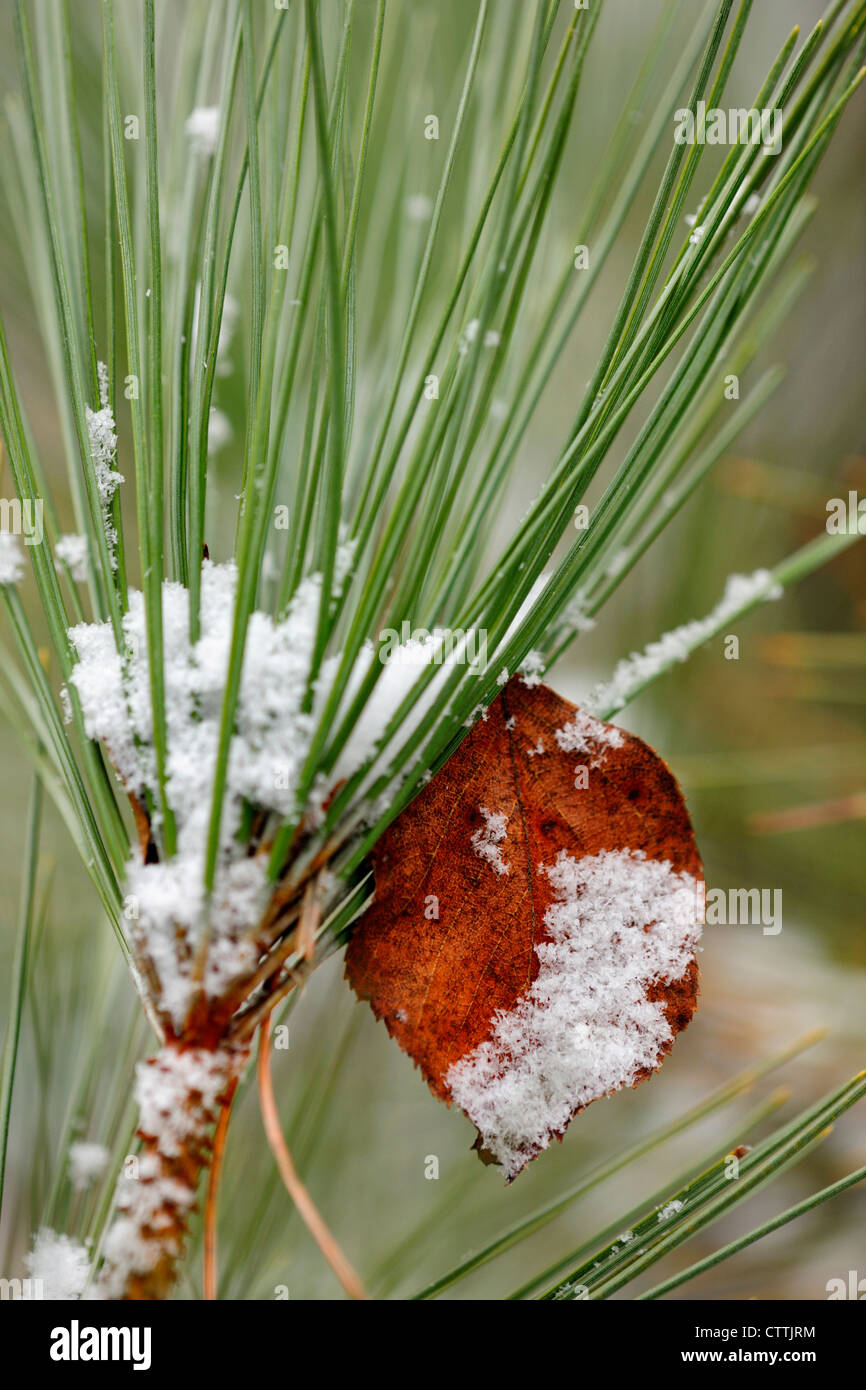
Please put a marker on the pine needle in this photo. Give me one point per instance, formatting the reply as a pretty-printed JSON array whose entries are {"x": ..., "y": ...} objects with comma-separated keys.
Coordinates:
[{"x": 294, "y": 1186}]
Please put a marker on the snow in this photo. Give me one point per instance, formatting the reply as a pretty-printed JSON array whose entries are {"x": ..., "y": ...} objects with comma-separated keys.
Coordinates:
[
  {"x": 60, "y": 1263},
  {"x": 97, "y": 678},
  {"x": 619, "y": 922},
  {"x": 576, "y": 616},
  {"x": 479, "y": 712},
  {"x": 87, "y": 1162},
  {"x": 531, "y": 669},
  {"x": 178, "y": 1093},
  {"x": 163, "y": 1086},
  {"x": 630, "y": 675},
  {"x": 588, "y": 737},
  {"x": 268, "y": 749},
  {"x": 488, "y": 839},
  {"x": 11, "y": 559},
  {"x": 344, "y": 560},
  {"x": 102, "y": 436},
  {"x": 272, "y": 732},
  {"x": 617, "y": 563},
  {"x": 141, "y": 1232},
  {"x": 202, "y": 127},
  {"x": 406, "y": 664},
  {"x": 670, "y": 1209},
  {"x": 491, "y": 338},
  {"x": 71, "y": 550}
]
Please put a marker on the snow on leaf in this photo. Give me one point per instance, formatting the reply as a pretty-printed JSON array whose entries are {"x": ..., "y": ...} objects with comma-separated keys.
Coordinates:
[
  {"x": 535, "y": 992},
  {"x": 487, "y": 841}
]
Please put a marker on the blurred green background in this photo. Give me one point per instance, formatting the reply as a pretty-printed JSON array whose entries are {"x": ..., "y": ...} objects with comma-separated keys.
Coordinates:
[{"x": 780, "y": 728}]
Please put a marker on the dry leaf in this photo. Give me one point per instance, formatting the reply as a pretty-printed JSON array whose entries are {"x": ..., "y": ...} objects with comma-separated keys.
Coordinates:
[{"x": 532, "y": 941}]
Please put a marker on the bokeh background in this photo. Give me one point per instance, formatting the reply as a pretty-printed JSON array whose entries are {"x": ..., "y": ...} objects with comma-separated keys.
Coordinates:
[{"x": 780, "y": 729}]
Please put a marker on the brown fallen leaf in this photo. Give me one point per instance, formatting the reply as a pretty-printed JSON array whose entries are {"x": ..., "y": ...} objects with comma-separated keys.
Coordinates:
[{"x": 532, "y": 940}]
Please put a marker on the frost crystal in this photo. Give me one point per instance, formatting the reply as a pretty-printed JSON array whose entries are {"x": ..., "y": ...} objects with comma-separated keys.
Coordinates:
[
  {"x": 619, "y": 923},
  {"x": 71, "y": 550},
  {"x": 587, "y": 736},
  {"x": 487, "y": 840},
  {"x": 576, "y": 616},
  {"x": 531, "y": 669},
  {"x": 670, "y": 1209},
  {"x": 102, "y": 434},
  {"x": 103, "y": 450},
  {"x": 630, "y": 675},
  {"x": 60, "y": 1263},
  {"x": 479, "y": 712},
  {"x": 11, "y": 559}
]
